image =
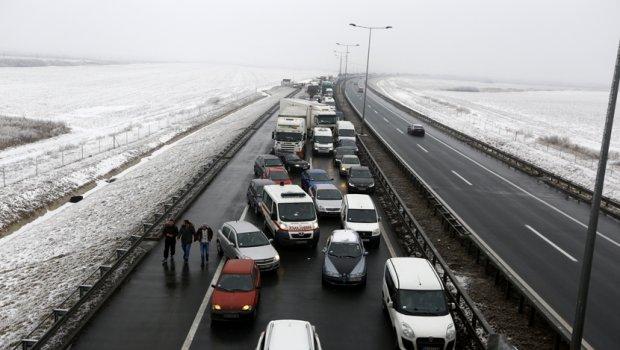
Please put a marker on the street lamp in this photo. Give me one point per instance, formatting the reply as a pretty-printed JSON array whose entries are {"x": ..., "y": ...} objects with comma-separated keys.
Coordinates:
[
  {"x": 346, "y": 60},
  {"x": 339, "y": 54},
  {"x": 370, "y": 29}
]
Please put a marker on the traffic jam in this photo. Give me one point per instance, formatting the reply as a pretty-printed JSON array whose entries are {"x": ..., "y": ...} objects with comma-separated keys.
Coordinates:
[{"x": 288, "y": 196}]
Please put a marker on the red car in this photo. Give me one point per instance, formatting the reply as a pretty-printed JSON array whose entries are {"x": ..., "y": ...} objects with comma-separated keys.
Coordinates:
[
  {"x": 277, "y": 174},
  {"x": 236, "y": 293}
]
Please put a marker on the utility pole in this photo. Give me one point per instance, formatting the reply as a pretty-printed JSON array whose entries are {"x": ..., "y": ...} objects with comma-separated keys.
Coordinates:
[
  {"x": 346, "y": 59},
  {"x": 586, "y": 266}
]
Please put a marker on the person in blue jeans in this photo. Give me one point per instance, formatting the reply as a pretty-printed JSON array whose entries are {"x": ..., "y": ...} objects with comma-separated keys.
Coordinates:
[
  {"x": 204, "y": 234},
  {"x": 186, "y": 235}
]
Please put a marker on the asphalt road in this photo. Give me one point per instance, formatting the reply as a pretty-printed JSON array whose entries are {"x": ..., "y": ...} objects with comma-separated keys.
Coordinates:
[
  {"x": 535, "y": 229},
  {"x": 158, "y": 307}
]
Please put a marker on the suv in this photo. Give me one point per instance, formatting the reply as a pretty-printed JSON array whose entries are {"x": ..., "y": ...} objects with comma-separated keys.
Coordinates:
[
  {"x": 242, "y": 240},
  {"x": 347, "y": 162},
  {"x": 345, "y": 130},
  {"x": 312, "y": 177},
  {"x": 360, "y": 179},
  {"x": 255, "y": 193},
  {"x": 278, "y": 175},
  {"x": 322, "y": 141},
  {"x": 292, "y": 162},
  {"x": 289, "y": 335},
  {"x": 265, "y": 161},
  {"x": 236, "y": 292},
  {"x": 345, "y": 259},
  {"x": 415, "y": 130},
  {"x": 359, "y": 214},
  {"x": 414, "y": 298},
  {"x": 289, "y": 215},
  {"x": 327, "y": 199}
]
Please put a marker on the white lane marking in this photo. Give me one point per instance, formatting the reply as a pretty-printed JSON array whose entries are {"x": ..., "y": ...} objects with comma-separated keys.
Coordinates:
[
  {"x": 400, "y": 131},
  {"x": 205, "y": 301},
  {"x": 461, "y": 177},
  {"x": 386, "y": 120},
  {"x": 422, "y": 148},
  {"x": 551, "y": 243}
]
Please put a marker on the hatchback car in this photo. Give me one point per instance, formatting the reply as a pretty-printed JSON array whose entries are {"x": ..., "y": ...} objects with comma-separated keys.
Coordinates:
[
  {"x": 242, "y": 240},
  {"x": 289, "y": 335},
  {"x": 265, "y": 161},
  {"x": 348, "y": 143},
  {"x": 347, "y": 162},
  {"x": 341, "y": 151},
  {"x": 415, "y": 130},
  {"x": 345, "y": 259},
  {"x": 237, "y": 291},
  {"x": 277, "y": 174},
  {"x": 255, "y": 193},
  {"x": 312, "y": 177},
  {"x": 327, "y": 199},
  {"x": 360, "y": 180},
  {"x": 293, "y": 162}
]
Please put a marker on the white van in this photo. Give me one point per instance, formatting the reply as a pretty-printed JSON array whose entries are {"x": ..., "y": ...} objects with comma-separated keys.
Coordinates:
[
  {"x": 414, "y": 298},
  {"x": 359, "y": 214},
  {"x": 289, "y": 215},
  {"x": 322, "y": 141},
  {"x": 288, "y": 335},
  {"x": 345, "y": 130}
]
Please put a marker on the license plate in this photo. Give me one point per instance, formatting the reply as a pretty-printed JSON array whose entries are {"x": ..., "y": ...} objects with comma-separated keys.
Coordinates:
[
  {"x": 365, "y": 239},
  {"x": 231, "y": 315}
]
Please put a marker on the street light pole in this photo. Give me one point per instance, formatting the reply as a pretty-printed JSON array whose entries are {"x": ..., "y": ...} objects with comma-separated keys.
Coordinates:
[
  {"x": 586, "y": 266},
  {"x": 339, "y": 53},
  {"x": 367, "y": 64},
  {"x": 346, "y": 59}
]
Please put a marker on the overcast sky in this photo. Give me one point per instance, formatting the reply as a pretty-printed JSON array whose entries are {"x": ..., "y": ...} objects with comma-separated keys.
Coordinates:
[{"x": 531, "y": 40}]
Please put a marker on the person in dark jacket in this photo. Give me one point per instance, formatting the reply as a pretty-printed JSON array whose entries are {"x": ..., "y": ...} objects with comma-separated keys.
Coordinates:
[
  {"x": 186, "y": 235},
  {"x": 170, "y": 233},
  {"x": 204, "y": 234}
]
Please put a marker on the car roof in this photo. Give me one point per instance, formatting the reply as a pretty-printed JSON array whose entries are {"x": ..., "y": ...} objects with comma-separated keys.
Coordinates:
[
  {"x": 349, "y": 156},
  {"x": 263, "y": 182},
  {"x": 322, "y": 130},
  {"x": 415, "y": 273},
  {"x": 345, "y": 236},
  {"x": 316, "y": 171},
  {"x": 291, "y": 155},
  {"x": 276, "y": 192},
  {"x": 359, "y": 201},
  {"x": 273, "y": 169},
  {"x": 238, "y": 266},
  {"x": 268, "y": 156},
  {"x": 289, "y": 335},
  {"x": 242, "y": 226},
  {"x": 417, "y": 125},
  {"x": 359, "y": 167},
  {"x": 325, "y": 186}
]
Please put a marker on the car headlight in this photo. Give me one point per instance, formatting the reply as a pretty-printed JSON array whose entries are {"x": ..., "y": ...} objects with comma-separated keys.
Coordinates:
[
  {"x": 351, "y": 184},
  {"x": 276, "y": 258},
  {"x": 376, "y": 232},
  {"x": 216, "y": 307},
  {"x": 246, "y": 308},
  {"x": 407, "y": 331},
  {"x": 331, "y": 273},
  {"x": 315, "y": 225},
  {"x": 283, "y": 226},
  {"x": 450, "y": 332},
  {"x": 372, "y": 185},
  {"x": 321, "y": 208}
]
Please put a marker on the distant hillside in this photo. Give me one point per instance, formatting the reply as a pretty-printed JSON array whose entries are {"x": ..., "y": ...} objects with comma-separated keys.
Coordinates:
[{"x": 19, "y": 61}]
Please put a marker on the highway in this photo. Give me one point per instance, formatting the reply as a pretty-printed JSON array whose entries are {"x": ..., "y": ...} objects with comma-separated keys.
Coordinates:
[
  {"x": 535, "y": 229},
  {"x": 161, "y": 306}
]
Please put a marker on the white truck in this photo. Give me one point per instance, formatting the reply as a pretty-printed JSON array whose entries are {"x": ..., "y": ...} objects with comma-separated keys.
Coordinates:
[
  {"x": 316, "y": 114},
  {"x": 290, "y": 133}
]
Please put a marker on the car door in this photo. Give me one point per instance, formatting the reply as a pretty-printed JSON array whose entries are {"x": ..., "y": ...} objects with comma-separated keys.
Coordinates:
[
  {"x": 390, "y": 295},
  {"x": 222, "y": 238},
  {"x": 304, "y": 180},
  {"x": 233, "y": 251}
]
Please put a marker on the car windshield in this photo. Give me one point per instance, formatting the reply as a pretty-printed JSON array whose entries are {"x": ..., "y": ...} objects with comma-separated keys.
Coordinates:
[
  {"x": 350, "y": 160},
  {"x": 362, "y": 215},
  {"x": 361, "y": 173},
  {"x": 346, "y": 132},
  {"x": 421, "y": 302},
  {"x": 278, "y": 175},
  {"x": 319, "y": 176},
  {"x": 272, "y": 162},
  {"x": 348, "y": 143},
  {"x": 330, "y": 194},
  {"x": 327, "y": 119},
  {"x": 323, "y": 139},
  {"x": 235, "y": 283},
  {"x": 344, "y": 250},
  {"x": 288, "y": 136},
  {"x": 345, "y": 151},
  {"x": 296, "y": 211},
  {"x": 251, "y": 239},
  {"x": 292, "y": 158}
]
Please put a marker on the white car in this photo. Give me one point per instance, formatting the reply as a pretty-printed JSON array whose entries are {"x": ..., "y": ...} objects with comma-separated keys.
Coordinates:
[
  {"x": 289, "y": 335},
  {"x": 327, "y": 199},
  {"x": 346, "y": 162},
  {"x": 359, "y": 214},
  {"x": 414, "y": 298},
  {"x": 242, "y": 240}
]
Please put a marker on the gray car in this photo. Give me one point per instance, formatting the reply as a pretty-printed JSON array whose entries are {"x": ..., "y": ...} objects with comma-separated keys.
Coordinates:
[
  {"x": 345, "y": 259},
  {"x": 242, "y": 240},
  {"x": 327, "y": 199}
]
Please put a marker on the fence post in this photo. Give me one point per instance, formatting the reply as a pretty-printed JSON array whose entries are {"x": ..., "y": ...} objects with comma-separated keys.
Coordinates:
[
  {"x": 99, "y": 146},
  {"x": 82, "y": 151},
  {"x": 126, "y": 137},
  {"x": 113, "y": 141},
  {"x": 36, "y": 166},
  {"x": 62, "y": 157},
  {"x": 3, "y": 177}
]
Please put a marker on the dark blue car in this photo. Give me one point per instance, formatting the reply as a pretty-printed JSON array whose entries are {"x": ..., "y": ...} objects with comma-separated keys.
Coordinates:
[{"x": 312, "y": 177}]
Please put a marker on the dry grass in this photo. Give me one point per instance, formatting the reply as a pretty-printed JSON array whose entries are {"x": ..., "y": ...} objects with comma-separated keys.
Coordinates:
[{"x": 19, "y": 131}]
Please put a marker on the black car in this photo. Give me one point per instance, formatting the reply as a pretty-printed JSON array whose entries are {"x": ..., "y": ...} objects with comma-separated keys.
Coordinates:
[
  {"x": 348, "y": 143},
  {"x": 255, "y": 193},
  {"x": 345, "y": 259},
  {"x": 341, "y": 151},
  {"x": 293, "y": 162},
  {"x": 360, "y": 180},
  {"x": 265, "y": 161},
  {"x": 415, "y": 130}
]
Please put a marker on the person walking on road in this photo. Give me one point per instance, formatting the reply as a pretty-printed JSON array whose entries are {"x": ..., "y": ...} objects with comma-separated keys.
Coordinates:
[
  {"x": 186, "y": 234},
  {"x": 204, "y": 236},
  {"x": 170, "y": 233}
]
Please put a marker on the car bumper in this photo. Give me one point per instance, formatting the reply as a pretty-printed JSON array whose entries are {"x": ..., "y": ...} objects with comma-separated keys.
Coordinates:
[
  {"x": 231, "y": 315},
  {"x": 269, "y": 267},
  {"x": 328, "y": 213},
  {"x": 358, "y": 189},
  {"x": 344, "y": 281},
  {"x": 286, "y": 238},
  {"x": 322, "y": 151}
]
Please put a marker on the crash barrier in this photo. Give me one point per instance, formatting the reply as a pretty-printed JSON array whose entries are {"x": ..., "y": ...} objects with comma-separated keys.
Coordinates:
[
  {"x": 484, "y": 254},
  {"x": 580, "y": 193},
  {"x": 42, "y": 337}
]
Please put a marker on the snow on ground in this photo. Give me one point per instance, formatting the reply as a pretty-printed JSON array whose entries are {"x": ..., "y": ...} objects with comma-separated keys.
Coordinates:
[
  {"x": 41, "y": 263},
  {"x": 117, "y": 113},
  {"x": 517, "y": 118}
]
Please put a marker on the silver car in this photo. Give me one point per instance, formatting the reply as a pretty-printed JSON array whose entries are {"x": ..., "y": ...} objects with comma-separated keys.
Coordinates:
[
  {"x": 327, "y": 199},
  {"x": 242, "y": 240}
]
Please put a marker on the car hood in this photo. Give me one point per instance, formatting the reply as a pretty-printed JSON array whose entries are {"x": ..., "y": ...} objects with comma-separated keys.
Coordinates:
[
  {"x": 362, "y": 181},
  {"x": 259, "y": 253},
  {"x": 344, "y": 265},
  {"x": 427, "y": 326},
  {"x": 362, "y": 226},
  {"x": 233, "y": 300},
  {"x": 316, "y": 182},
  {"x": 329, "y": 203}
]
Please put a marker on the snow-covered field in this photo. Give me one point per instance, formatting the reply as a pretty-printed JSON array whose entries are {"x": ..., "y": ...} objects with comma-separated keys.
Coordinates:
[
  {"x": 521, "y": 119},
  {"x": 116, "y": 113},
  {"x": 46, "y": 259}
]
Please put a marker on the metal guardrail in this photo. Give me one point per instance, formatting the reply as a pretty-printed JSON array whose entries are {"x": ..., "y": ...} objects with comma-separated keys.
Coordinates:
[
  {"x": 608, "y": 206},
  {"x": 456, "y": 225},
  {"x": 172, "y": 208}
]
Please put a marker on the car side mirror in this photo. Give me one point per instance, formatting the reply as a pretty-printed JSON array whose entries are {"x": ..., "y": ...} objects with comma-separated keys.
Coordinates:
[
  {"x": 274, "y": 216},
  {"x": 270, "y": 240},
  {"x": 214, "y": 286},
  {"x": 324, "y": 250},
  {"x": 379, "y": 218},
  {"x": 390, "y": 304},
  {"x": 365, "y": 253},
  {"x": 273, "y": 135},
  {"x": 452, "y": 306}
]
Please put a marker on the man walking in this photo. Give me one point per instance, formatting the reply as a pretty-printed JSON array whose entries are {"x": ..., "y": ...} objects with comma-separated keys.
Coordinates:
[
  {"x": 204, "y": 236},
  {"x": 186, "y": 234},
  {"x": 170, "y": 233}
]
